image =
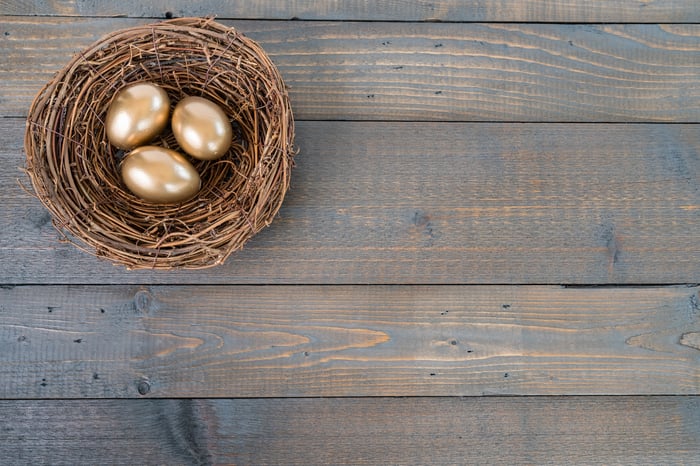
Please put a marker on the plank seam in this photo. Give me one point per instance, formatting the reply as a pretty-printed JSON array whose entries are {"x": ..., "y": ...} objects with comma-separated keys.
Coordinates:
[{"x": 330, "y": 20}]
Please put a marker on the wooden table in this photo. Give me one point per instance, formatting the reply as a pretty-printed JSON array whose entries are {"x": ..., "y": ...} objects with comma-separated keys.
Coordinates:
[{"x": 489, "y": 253}]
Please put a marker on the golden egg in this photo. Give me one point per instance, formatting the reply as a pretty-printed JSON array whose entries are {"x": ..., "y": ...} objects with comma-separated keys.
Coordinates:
[
  {"x": 136, "y": 115},
  {"x": 201, "y": 128},
  {"x": 160, "y": 175}
]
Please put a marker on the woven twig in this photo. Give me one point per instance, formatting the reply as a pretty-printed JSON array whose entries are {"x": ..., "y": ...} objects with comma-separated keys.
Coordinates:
[{"x": 75, "y": 171}]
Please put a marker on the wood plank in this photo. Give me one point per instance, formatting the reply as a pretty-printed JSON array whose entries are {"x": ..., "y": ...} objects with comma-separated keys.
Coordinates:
[
  {"x": 549, "y": 430},
  {"x": 433, "y": 203},
  {"x": 581, "y": 11},
  {"x": 288, "y": 341},
  {"x": 424, "y": 71}
]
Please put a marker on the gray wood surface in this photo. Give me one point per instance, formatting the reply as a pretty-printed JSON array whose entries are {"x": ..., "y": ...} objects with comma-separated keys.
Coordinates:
[
  {"x": 287, "y": 341},
  {"x": 458, "y": 161},
  {"x": 401, "y": 431},
  {"x": 424, "y": 71},
  {"x": 396, "y": 202},
  {"x": 579, "y": 11}
]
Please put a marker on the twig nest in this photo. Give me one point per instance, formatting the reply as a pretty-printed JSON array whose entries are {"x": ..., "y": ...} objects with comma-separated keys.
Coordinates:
[{"x": 75, "y": 171}]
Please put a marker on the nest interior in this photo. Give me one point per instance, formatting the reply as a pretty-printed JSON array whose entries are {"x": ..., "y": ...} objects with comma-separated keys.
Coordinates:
[{"x": 75, "y": 172}]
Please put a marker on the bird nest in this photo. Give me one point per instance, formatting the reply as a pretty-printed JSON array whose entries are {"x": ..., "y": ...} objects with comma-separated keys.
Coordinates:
[{"x": 75, "y": 172}]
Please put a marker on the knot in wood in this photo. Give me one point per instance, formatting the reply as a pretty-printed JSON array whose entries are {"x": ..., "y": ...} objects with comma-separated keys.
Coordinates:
[
  {"x": 142, "y": 301},
  {"x": 143, "y": 387}
]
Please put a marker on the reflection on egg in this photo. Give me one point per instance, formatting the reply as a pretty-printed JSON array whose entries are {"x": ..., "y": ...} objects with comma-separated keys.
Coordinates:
[
  {"x": 136, "y": 115},
  {"x": 201, "y": 128},
  {"x": 160, "y": 175}
]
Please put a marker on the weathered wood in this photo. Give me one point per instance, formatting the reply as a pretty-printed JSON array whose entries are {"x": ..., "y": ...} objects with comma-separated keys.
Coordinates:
[
  {"x": 550, "y": 430},
  {"x": 285, "y": 341},
  {"x": 424, "y": 71},
  {"x": 580, "y": 11},
  {"x": 433, "y": 203}
]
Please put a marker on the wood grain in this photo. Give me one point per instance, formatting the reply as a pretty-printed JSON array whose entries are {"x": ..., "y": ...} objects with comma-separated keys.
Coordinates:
[
  {"x": 389, "y": 200},
  {"x": 550, "y": 430},
  {"x": 424, "y": 71},
  {"x": 433, "y": 203},
  {"x": 291, "y": 341},
  {"x": 580, "y": 11}
]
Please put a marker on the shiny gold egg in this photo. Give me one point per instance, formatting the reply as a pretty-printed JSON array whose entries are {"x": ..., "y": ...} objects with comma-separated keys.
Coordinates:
[
  {"x": 160, "y": 175},
  {"x": 137, "y": 114},
  {"x": 201, "y": 128}
]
